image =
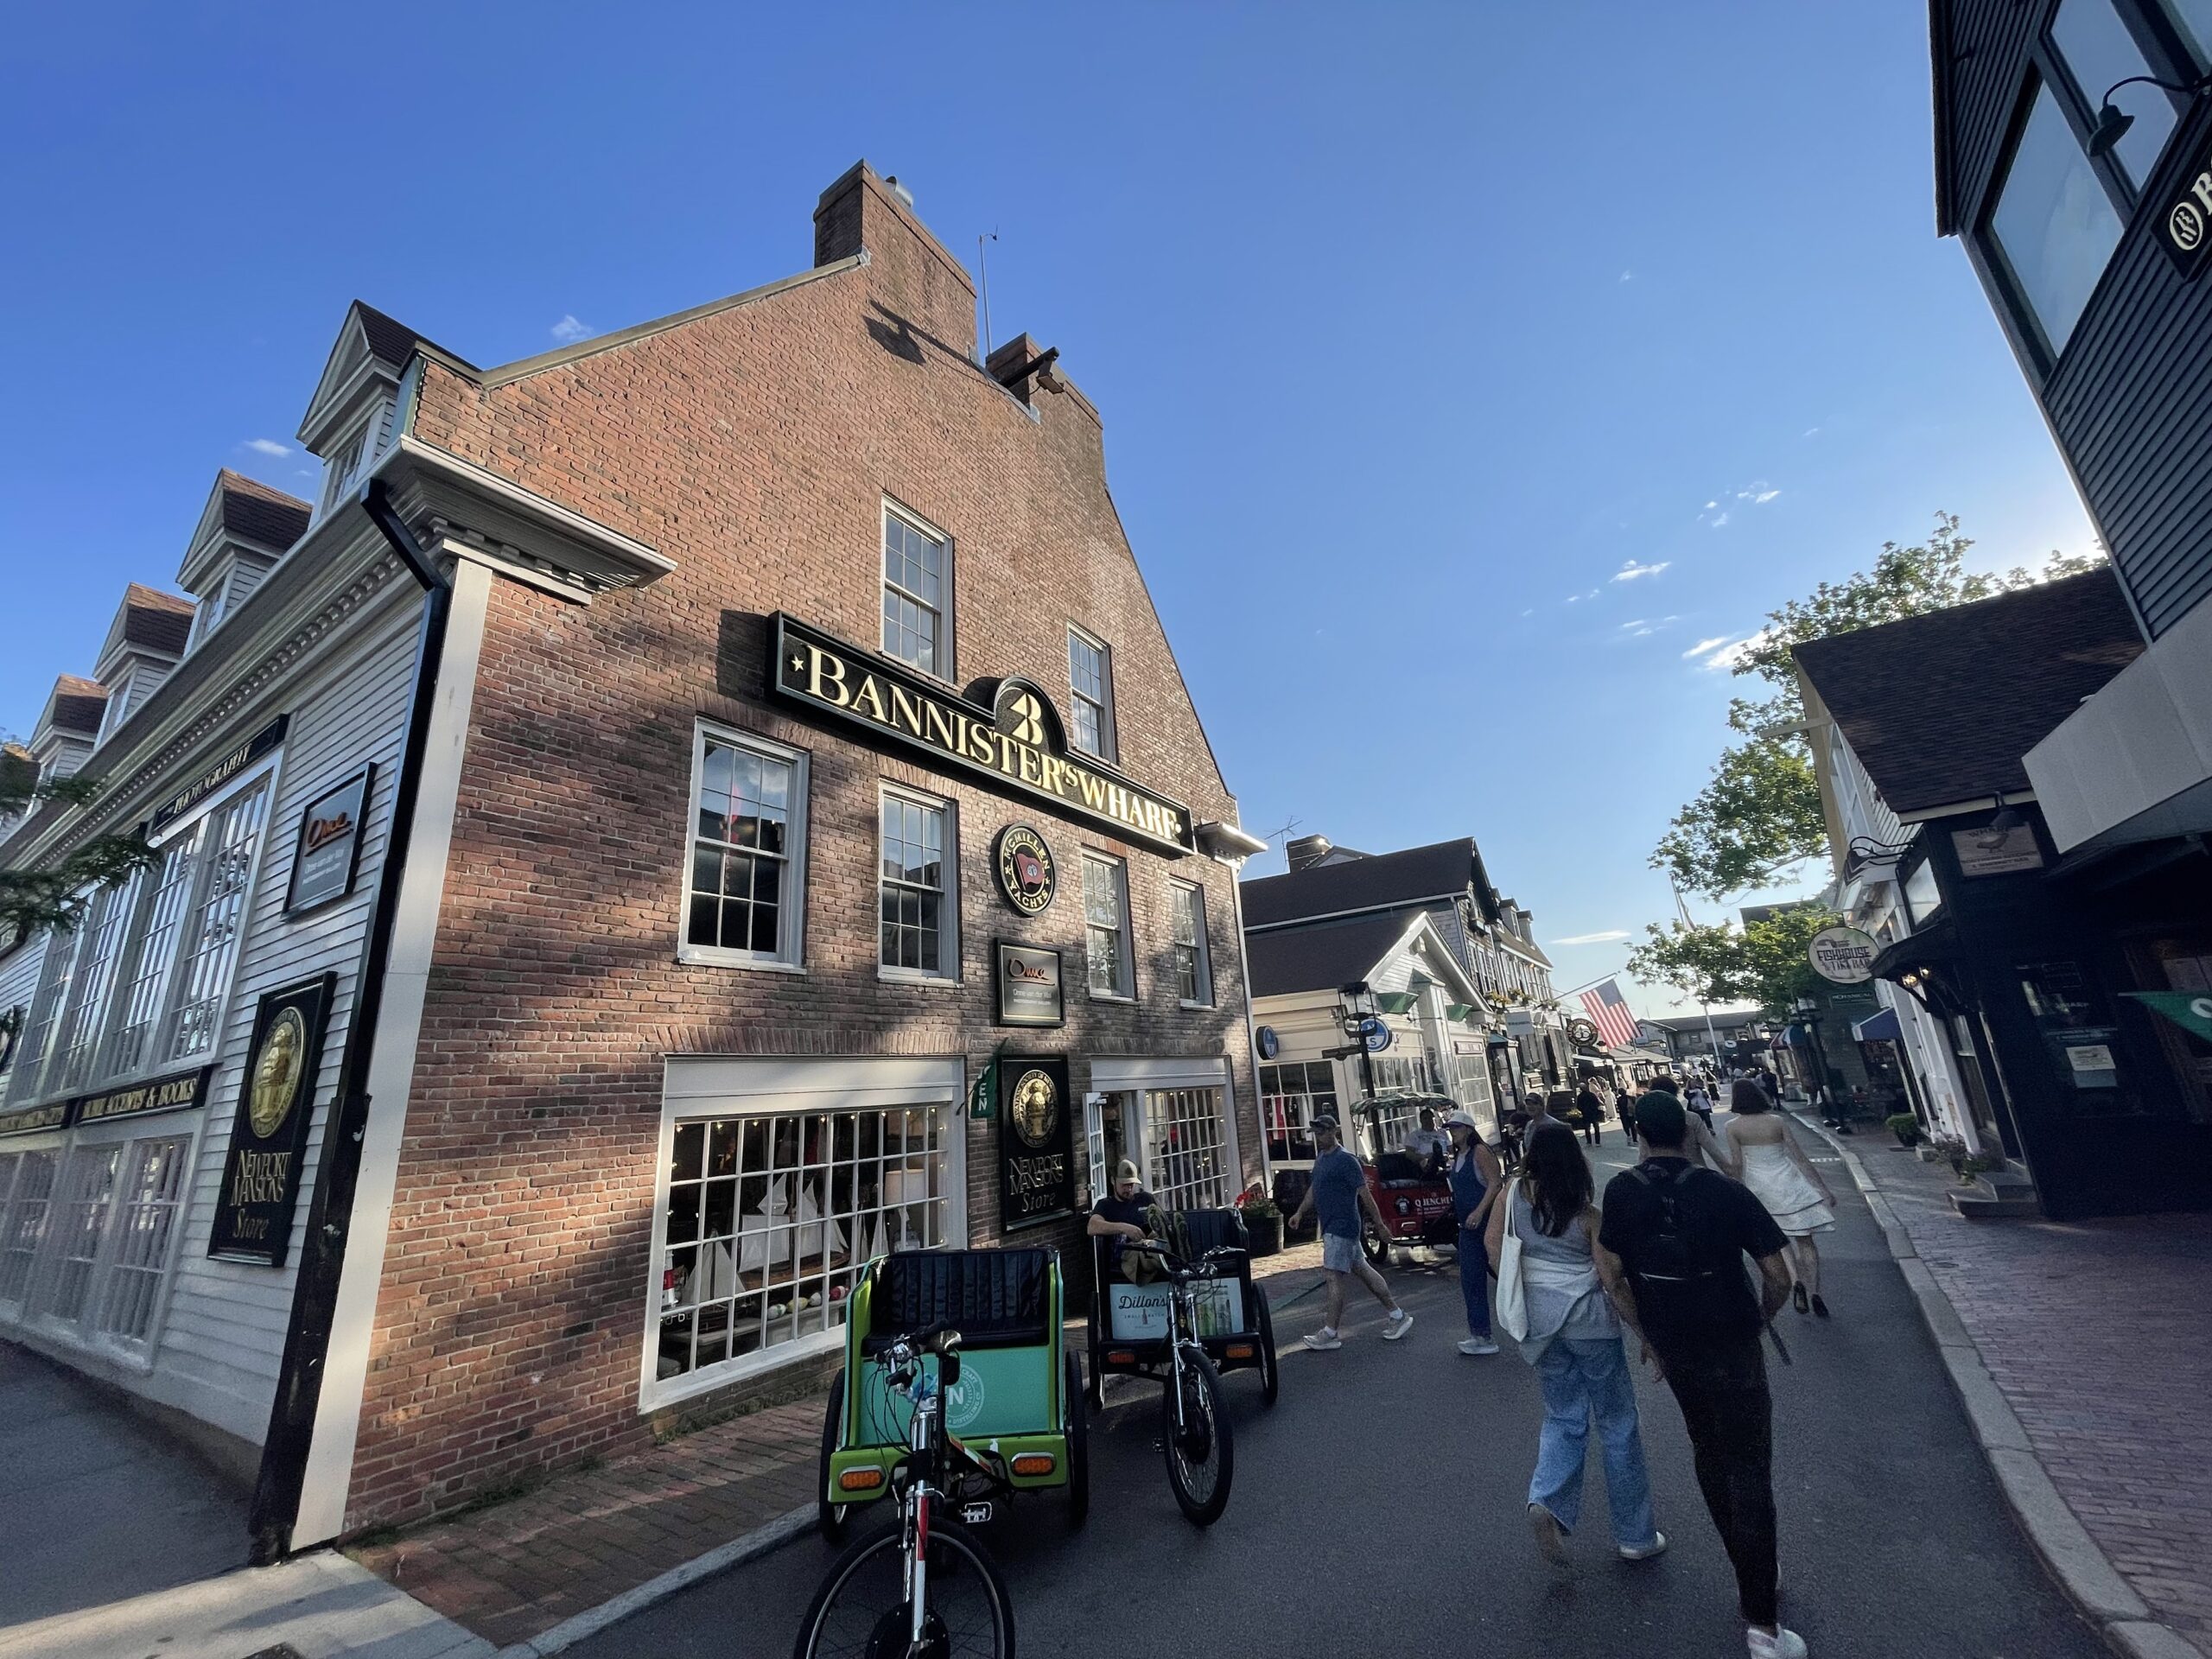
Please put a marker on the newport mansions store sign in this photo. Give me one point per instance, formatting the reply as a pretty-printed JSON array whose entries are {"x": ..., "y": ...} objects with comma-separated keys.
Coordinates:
[{"x": 1015, "y": 738}]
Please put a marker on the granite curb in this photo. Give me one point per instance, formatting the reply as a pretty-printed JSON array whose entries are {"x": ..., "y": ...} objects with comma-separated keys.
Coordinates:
[{"x": 2074, "y": 1558}]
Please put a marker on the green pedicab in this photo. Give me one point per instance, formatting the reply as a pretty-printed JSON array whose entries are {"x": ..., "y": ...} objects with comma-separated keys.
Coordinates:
[{"x": 1014, "y": 1418}]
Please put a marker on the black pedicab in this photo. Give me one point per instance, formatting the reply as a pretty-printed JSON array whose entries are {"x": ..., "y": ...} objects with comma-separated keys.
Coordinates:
[{"x": 1202, "y": 1316}]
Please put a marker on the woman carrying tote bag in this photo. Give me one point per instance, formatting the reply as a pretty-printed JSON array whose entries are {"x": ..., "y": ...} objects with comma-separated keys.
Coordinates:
[{"x": 1553, "y": 1280}]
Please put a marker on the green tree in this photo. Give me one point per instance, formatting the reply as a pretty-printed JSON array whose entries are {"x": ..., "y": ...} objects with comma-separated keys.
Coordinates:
[
  {"x": 1760, "y": 812},
  {"x": 33, "y": 900},
  {"x": 1763, "y": 961}
]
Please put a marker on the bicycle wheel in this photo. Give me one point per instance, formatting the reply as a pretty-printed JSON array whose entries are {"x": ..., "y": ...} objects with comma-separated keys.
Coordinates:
[
  {"x": 1200, "y": 1458},
  {"x": 1076, "y": 1427},
  {"x": 829, "y": 1518},
  {"x": 1270, "y": 1366},
  {"x": 860, "y": 1611}
]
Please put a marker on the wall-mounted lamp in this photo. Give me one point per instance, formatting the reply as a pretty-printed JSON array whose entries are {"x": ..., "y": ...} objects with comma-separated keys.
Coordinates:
[{"x": 2111, "y": 125}]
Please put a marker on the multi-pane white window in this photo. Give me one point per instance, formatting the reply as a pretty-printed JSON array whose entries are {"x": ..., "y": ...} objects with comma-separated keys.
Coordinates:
[
  {"x": 1292, "y": 1094},
  {"x": 916, "y": 566},
  {"x": 1106, "y": 926},
  {"x": 774, "y": 1218},
  {"x": 1090, "y": 676},
  {"x": 80, "y": 1225},
  {"x": 214, "y": 923},
  {"x": 25, "y": 1196},
  {"x": 145, "y": 1221},
  {"x": 78, "y": 1034},
  {"x": 1187, "y": 923},
  {"x": 916, "y": 907},
  {"x": 1186, "y": 1154},
  {"x": 747, "y": 871},
  {"x": 34, "y": 1043},
  {"x": 139, "y": 1007},
  {"x": 345, "y": 466}
]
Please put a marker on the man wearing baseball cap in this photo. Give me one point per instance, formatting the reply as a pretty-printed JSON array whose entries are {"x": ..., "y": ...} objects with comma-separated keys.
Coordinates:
[
  {"x": 1475, "y": 1179},
  {"x": 1338, "y": 1196}
]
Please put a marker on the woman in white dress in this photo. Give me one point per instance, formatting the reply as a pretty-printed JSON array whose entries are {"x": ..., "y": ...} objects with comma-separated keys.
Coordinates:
[{"x": 1760, "y": 1152}]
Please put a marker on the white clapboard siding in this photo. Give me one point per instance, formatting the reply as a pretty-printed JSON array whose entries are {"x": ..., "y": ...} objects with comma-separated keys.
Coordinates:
[{"x": 222, "y": 1335}]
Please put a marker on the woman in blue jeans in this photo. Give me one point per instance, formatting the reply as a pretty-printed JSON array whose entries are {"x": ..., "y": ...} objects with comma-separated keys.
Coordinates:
[
  {"x": 1474, "y": 1185},
  {"x": 1574, "y": 1343}
]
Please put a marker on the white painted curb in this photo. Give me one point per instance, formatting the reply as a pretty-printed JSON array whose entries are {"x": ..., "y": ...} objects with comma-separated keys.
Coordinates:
[{"x": 2076, "y": 1559}]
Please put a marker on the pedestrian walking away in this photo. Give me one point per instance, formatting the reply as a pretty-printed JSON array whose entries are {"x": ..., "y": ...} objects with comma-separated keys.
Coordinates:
[
  {"x": 1682, "y": 1234},
  {"x": 1697, "y": 1099},
  {"x": 1572, "y": 1297},
  {"x": 1591, "y": 1105},
  {"x": 1338, "y": 1197},
  {"x": 1763, "y": 1154},
  {"x": 1475, "y": 1179}
]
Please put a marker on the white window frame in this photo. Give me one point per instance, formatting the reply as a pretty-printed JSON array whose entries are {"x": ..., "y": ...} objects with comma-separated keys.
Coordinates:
[
  {"x": 128, "y": 1138},
  {"x": 356, "y": 450},
  {"x": 703, "y": 1086},
  {"x": 1127, "y": 990},
  {"x": 1135, "y": 1077},
  {"x": 158, "y": 1058},
  {"x": 11, "y": 1200},
  {"x": 947, "y": 972},
  {"x": 1203, "y": 964},
  {"x": 1109, "y": 738},
  {"x": 946, "y": 669},
  {"x": 790, "y": 956}
]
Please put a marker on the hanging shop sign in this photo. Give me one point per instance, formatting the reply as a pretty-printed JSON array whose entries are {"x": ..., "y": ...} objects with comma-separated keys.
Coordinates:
[
  {"x": 1015, "y": 739},
  {"x": 1268, "y": 1044},
  {"x": 1027, "y": 876},
  {"x": 1373, "y": 1035},
  {"x": 1991, "y": 851},
  {"x": 328, "y": 852},
  {"x": 219, "y": 774},
  {"x": 1036, "y": 1143},
  {"x": 2185, "y": 226},
  {"x": 1582, "y": 1032},
  {"x": 261, "y": 1173},
  {"x": 177, "y": 1092},
  {"x": 2190, "y": 1010},
  {"x": 1029, "y": 986},
  {"x": 1844, "y": 956}
]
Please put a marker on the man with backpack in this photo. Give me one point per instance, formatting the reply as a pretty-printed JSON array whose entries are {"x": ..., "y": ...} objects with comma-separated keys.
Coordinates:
[{"x": 1681, "y": 1233}]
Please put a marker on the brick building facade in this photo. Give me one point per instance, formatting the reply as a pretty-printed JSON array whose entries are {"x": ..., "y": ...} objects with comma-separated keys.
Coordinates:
[{"x": 792, "y": 661}]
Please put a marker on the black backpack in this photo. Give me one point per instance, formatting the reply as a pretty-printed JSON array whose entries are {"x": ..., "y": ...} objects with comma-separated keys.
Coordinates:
[{"x": 1676, "y": 1289}]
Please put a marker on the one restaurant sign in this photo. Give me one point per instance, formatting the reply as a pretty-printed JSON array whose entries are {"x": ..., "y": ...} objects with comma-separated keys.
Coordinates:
[
  {"x": 1015, "y": 740},
  {"x": 2185, "y": 227},
  {"x": 1843, "y": 955}
]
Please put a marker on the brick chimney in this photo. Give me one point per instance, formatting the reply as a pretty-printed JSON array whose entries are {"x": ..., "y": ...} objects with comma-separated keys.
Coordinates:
[{"x": 913, "y": 275}]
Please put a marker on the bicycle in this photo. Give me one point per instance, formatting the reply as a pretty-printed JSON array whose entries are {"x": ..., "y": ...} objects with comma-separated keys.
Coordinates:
[
  {"x": 921, "y": 1587},
  {"x": 1196, "y": 1437}
]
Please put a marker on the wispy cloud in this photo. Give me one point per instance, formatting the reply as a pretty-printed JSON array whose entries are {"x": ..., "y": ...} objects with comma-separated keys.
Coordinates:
[
  {"x": 1631, "y": 571},
  {"x": 567, "y": 331},
  {"x": 1759, "y": 493},
  {"x": 1528, "y": 612},
  {"x": 1812, "y": 431},
  {"x": 1628, "y": 276},
  {"x": 1704, "y": 646},
  {"x": 1730, "y": 651},
  {"x": 1719, "y": 520},
  {"x": 1607, "y": 937},
  {"x": 268, "y": 447}
]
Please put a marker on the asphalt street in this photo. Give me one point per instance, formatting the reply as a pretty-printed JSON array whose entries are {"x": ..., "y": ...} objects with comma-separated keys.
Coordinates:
[{"x": 1380, "y": 1508}]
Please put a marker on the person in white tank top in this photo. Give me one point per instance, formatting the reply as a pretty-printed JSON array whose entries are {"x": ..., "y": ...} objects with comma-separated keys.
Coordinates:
[{"x": 1760, "y": 1152}]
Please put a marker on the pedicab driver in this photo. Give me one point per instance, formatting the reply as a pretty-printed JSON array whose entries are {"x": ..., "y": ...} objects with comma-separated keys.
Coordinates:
[
  {"x": 1337, "y": 1197},
  {"x": 1120, "y": 1215}
]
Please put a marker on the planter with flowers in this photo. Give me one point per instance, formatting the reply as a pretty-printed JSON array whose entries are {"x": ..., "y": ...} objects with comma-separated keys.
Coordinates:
[{"x": 1262, "y": 1220}]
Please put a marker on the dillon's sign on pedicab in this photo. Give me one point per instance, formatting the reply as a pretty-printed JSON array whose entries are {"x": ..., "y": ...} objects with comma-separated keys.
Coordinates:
[{"x": 1844, "y": 956}]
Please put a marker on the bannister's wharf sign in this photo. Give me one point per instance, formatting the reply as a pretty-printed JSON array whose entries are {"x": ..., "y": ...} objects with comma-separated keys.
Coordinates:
[{"x": 1015, "y": 738}]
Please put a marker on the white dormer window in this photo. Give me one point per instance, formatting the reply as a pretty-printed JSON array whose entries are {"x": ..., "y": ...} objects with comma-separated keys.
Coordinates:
[{"x": 345, "y": 466}]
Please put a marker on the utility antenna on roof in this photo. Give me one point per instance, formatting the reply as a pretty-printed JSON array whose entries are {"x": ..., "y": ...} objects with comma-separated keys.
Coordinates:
[
  {"x": 984, "y": 270},
  {"x": 1283, "y": 832}
]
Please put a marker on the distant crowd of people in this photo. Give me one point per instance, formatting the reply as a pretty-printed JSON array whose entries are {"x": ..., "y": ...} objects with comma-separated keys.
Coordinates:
[{"x": 1660, "y": 1259}]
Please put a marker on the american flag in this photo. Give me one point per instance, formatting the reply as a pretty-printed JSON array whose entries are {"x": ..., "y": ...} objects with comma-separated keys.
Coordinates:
[{"x": 1609, "y": 1012}]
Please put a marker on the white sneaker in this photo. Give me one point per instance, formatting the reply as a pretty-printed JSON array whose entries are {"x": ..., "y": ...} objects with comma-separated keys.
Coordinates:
[
  {"x": 1322, "y": 1341},
  {"x": 1645, "y": 1552},
  {"x": 1475, "y": 1347},
  {"x": 1397, "y": 1324},
  {"x": 1782, "y": 1644}
]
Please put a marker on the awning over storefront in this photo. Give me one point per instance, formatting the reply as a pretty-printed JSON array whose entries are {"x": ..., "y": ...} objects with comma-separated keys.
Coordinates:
[
  {"x": 1936, "y": 943},
  {"x": 1881, "y": 1027}
]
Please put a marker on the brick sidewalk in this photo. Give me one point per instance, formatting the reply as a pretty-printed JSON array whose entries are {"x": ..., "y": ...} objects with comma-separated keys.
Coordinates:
[
  {"x": 2099, "y": 1335},
  {"x": 513, "y": 1571}
]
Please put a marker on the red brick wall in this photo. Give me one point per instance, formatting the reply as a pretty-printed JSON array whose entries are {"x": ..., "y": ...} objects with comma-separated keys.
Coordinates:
[{"x": 755, "y": 447}]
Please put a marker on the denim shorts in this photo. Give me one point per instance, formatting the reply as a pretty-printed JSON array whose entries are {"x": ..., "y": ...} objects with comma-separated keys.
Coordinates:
[{"x": 1339, "y": 1254}]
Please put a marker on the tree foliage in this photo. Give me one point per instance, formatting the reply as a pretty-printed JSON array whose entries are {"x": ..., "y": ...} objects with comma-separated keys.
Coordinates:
[
  {"x": 56, "y": 897},
  {"x": 1765, "y": 962},
  {"x": 1760, "y": 812}
]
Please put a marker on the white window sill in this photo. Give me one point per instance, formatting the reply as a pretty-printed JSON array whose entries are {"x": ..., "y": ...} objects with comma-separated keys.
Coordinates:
[
  {"x": 1110, "y": 996},
  {"x": 913, "y": 977},
  {"x": 1198, "y": 1007},
  {"x": 674, "y": 1390},
  {"x": 700, "y": 956}
]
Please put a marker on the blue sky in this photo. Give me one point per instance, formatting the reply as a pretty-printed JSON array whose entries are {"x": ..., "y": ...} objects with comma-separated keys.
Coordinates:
[{"x": 1464, "y": 367}]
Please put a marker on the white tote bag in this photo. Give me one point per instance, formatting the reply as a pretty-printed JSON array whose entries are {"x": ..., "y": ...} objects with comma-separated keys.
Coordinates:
[{"x": 1512, "y": 1295}]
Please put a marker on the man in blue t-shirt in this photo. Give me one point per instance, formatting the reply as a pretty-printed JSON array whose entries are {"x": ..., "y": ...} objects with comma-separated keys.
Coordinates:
[{"x": 1338, "y": 1196}]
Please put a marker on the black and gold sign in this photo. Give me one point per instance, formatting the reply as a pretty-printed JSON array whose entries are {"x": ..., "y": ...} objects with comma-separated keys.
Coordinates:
[
  {"x": 261, "y": 1175},
  {"x": 1036, "y": 1142},
  {"x": 2185, "y": 226},
  {"x": 1015, "y": 739},
  {"x": 1029, "y": 985},
  {"x": 168, "y": 1094},
  {"x": 1027, "y": 874},
  {"x": 221, "y": 773}
]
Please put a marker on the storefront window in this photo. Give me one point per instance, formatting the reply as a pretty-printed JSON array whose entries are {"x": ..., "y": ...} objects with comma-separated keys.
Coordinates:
[
  {"x": 138, "y": 1254},
  {"x": 2080, "y": 1040},
  {"x": 2099, "y": 51},
  {"x": 61, "y": 952},
  {"x": 917, "y": 857},
  {"x": 2054, "y": 225},
  {"x": 748, "y": 840},
  {"x": 772, "y": 1218},
  {"x": 139, "y": 1007},
  {"x": 1193, "y": 973},
  {"x": 78, "y": 1033},
  {"x": 1186, "y": 1157},
  {"x": 88, "y": 1189},
  {"x": 1922, "y": 896},
  {"x": 913, "y": 594},
  {"x": 2193, "y": 18},
  {"x": 26, "y": 1195},
  {"x": 213, "y": 926},
  {"x": 1106, "y": 926},
  {"x": 1291, "y": 1096}
]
